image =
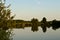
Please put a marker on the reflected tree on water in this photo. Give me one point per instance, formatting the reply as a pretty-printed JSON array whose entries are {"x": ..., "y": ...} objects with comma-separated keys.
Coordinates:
[
  {"x": 47, "y": 24},
  {"x": 55, "y": 24},
  {"x": 34, "y": 24},
  {"x": 43, "y": 24}
]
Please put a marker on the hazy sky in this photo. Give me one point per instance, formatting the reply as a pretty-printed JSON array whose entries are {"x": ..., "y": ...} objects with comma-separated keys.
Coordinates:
[{"x": 27, "y": 9}]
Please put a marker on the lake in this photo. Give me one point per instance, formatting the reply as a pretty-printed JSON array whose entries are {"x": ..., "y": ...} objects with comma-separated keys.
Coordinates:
[{"x": 27, "y": 34}]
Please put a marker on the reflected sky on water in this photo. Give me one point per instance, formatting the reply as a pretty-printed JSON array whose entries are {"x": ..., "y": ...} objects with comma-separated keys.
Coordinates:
[{"x": 27, "y": 34}]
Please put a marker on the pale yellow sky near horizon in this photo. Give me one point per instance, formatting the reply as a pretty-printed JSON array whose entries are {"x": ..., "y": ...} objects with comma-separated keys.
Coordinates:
[{"x": 28, "y": 9}]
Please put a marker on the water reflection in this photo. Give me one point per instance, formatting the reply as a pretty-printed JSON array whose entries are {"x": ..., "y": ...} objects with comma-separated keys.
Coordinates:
[
  {"x": 5, "y": 34},
  {"x": 44, "y": 24},
  {"x": 34, "y": 24}
]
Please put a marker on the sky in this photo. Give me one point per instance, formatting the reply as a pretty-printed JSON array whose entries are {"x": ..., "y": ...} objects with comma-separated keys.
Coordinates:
[{"x": 28, "y": 9}]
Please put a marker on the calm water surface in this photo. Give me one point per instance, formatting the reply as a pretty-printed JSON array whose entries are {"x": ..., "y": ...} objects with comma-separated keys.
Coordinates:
[{"x": 27, "y": 34}]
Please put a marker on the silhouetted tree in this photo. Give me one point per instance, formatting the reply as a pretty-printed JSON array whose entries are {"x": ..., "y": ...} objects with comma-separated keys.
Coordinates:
[
  {"x": 55, "y": 24},
  {"x": 34, "y": 24},
  {"x": 44, "y": 24},
  {"x": 44, "y": 20}
]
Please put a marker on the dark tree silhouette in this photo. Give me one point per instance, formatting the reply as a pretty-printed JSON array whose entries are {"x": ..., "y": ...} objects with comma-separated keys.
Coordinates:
[
  {"x": 44, "y": 20},
  {"x": 44, "y": 24},
  {"x": 55, "y": 24},
  {"x": 34, "y": 24}
]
